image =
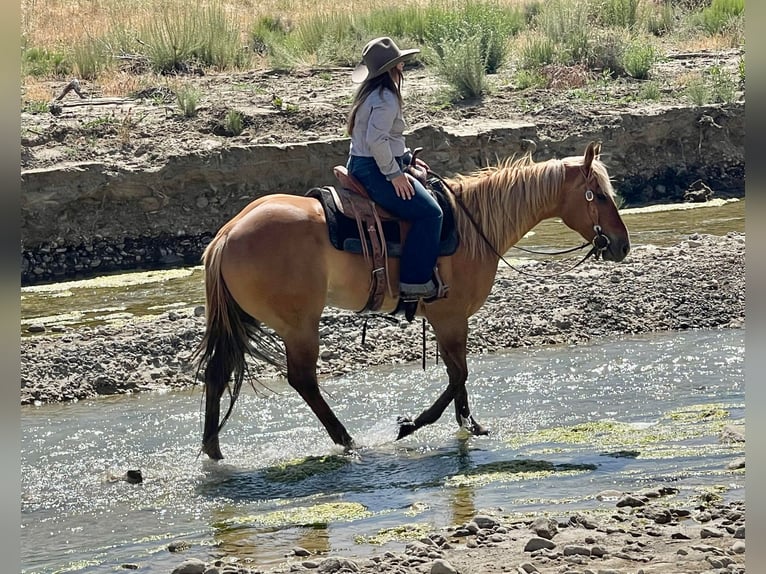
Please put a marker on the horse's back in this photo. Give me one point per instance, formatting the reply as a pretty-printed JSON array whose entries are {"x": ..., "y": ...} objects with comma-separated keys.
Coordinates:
[{"x": 279, "y": 265}]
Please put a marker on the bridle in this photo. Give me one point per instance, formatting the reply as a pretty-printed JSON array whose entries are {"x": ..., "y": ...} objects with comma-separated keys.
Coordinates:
[
  {"x": 600, "y": 240},
  {"x": 599, "y": 244}
]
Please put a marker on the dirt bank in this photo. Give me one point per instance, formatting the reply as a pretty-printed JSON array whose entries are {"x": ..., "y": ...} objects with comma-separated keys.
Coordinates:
[{"x": 131, "y": 183}]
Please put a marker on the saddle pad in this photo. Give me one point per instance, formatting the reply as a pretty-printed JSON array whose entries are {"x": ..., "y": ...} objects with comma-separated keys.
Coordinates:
[{"x": 344, "y": 234}]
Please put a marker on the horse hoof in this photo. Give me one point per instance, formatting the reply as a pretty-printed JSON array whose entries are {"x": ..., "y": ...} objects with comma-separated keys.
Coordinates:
[
  {"x": 214, "y": 452},
  {"x": 406, "y": 427}
]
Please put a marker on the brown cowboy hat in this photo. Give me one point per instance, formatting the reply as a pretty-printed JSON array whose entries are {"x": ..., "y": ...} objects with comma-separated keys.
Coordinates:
[{"x": 379, "y": 56}]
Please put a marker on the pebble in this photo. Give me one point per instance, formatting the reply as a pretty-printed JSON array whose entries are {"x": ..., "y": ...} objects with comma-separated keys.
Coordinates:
[{"x": 441, "y": 566}]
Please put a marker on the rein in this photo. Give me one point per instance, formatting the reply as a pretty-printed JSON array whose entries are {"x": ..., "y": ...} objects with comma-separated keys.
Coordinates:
[{"x": 599, "y": 244}]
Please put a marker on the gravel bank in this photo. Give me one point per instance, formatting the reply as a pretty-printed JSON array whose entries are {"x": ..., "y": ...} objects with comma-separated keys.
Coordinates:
[{"x": 698, "y": 283}]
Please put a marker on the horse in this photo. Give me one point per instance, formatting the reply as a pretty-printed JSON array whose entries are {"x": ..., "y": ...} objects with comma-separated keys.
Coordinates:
[{"x": 270, "y": 272}]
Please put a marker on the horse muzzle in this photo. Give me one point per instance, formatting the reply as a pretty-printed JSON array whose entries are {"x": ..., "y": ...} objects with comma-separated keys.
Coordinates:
[{"x": 610, "y": 248}]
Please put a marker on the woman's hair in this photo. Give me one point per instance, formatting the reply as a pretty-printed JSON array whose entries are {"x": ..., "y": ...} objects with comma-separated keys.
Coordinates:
[{"x": 391, "y": 80}]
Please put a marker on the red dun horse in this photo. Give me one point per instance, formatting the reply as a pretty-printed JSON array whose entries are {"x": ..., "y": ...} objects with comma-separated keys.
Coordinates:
[{"x": 273, "y": 265}]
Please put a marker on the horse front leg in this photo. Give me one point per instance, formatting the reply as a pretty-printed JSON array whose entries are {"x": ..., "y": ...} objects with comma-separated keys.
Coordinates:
[
  {"x": 463, "y": 414},
  {"x": 452, "y": 339}
]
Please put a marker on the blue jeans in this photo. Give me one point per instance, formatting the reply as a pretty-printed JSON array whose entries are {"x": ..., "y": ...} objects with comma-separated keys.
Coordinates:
[{"x": 421, "y": 246}]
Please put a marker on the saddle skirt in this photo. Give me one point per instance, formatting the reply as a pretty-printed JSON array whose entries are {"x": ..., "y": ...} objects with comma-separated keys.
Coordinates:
[{"x": 357, "y": 225}]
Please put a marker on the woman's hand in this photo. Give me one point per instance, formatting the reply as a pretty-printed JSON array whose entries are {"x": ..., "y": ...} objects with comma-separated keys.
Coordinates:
[{"x": 403, "y": 187}]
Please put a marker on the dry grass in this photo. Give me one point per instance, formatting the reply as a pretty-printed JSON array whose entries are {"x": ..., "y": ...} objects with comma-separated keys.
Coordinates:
[{"x": 56, "y": 23}]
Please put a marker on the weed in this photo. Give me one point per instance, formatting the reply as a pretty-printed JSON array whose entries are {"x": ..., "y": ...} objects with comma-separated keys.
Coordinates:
[
  {"x": 35, "y": 107},
  {"x": 90, "y": 58},
  {"x": 525, "y": 79},
  {"x": 233, "y": 122},
  {"x": 619, "y": 13},
  {"x": 649, "y": 91},
  {"x": 188, "y": 98},
  {"x": 91, "y": 125},
  {"x": 719, "y": 15},
  {"x": 723, "y": 88},
  {"x": 697, "y": 91},
  {"x": 43, "y": 62},
  {"x": 536, "y": 52},
  {"x": 463, "y": 67},
  {"x": 638, "y": 58}
]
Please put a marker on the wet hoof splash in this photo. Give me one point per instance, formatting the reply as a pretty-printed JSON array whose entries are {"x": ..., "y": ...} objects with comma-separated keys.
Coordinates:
[{"x": 406, "y": 427}]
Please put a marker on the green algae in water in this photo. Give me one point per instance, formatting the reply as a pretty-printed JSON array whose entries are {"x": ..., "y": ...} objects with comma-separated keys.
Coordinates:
[
  {"x": 317, "y": 515},
  {"x": 696, "y": 413},
  {"x": 302, "y": 468},
  {"x": 396, "y": 533},
  {"x": 646, "y": 440},
  {"x": 514, "y": 471}
]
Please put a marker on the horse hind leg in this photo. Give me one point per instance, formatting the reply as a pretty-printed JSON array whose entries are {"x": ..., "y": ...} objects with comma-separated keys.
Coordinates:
[
  {"x": 302, "y": 355},
  {"x": 217, "y": 374}
]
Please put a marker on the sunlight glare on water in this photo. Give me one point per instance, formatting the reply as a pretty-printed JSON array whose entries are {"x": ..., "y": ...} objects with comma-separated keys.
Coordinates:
[{"x": 284, "y": 484}]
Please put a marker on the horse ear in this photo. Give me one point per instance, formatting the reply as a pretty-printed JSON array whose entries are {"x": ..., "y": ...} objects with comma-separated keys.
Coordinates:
[{"x": 591, "y": 152}]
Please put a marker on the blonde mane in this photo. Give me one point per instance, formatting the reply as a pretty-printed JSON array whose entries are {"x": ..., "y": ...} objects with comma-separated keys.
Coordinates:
[{"x": 508, "y": 198}]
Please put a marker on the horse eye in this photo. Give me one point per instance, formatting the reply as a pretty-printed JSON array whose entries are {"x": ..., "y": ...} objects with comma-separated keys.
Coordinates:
[{"x": 601, "y": 196}]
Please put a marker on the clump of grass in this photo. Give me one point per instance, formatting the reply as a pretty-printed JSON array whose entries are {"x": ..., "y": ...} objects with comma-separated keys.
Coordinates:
[
  {"x": 536, "y": 52},
  {"x": 487, "y": 24},
  {"x": 463, "y": 67},
  {"x": 696, "y": 90},
  {"x": 526, "y": 78},
  {"x": 638, "y": 58},
  {"x": 723, "y": 88},
  {"x": 40, "y": 62},
  {"x": 90, "y": 59},
  {"x": 182, "y": 34},
  {"x": 649, "y": 90},
  {"x": 233, "y": 123},
  {"x": 619, "y": 13},
  {"x": 187, "y": 98},
  {"x": 719, "y": 15}
]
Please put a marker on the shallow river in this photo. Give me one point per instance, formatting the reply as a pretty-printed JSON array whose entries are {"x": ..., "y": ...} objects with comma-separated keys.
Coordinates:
[{"x": 567, "y": 422}]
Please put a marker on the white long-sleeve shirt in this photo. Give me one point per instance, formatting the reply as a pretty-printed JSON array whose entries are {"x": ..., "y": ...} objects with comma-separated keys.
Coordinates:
[{"x": 379, "y": 131}]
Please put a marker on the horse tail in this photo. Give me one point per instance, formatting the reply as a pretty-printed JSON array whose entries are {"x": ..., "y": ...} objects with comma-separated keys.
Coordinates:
[{"x": 230, "y": 336}]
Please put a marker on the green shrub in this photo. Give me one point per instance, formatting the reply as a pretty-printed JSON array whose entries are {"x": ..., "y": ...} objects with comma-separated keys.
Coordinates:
[
  {"x": 723, "y": 88},
  {"x": 537, "y": 51},
  {"x": 40, "y": 62},
  {"x": 191, "y": 33},
  {"x": 221, "y": 46},
  {"x": 719, "y": 15},
  {"x": 619, "y": 13},
  {"x": 462, "y": 66},
  {"x": 90, "y": 59},
  {"x": 638, "y": 58},
  {"x": 487, "y": 24},
  {"x": 649, "y": 91},
  {"x": 697, "y": 91},
  {"x": 187, "y": 98},
  {"x": 233, "y": 122},
  {"x": 525, "y": 79}
]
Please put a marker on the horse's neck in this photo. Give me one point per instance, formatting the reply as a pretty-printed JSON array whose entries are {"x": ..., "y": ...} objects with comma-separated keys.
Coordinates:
[{"x": 505, "y": 212}]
